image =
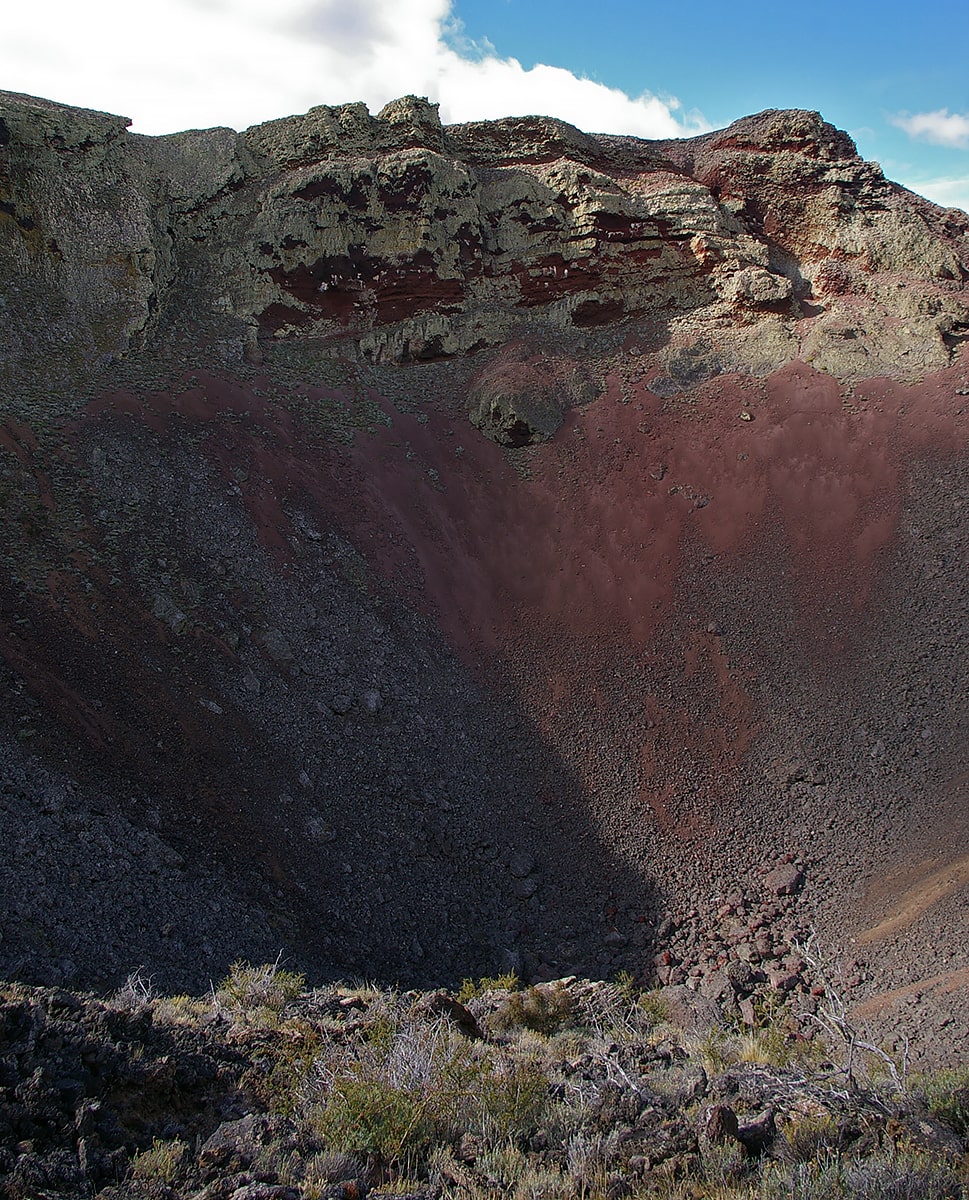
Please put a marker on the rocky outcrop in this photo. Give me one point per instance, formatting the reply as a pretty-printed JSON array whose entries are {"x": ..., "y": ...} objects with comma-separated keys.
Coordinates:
[
  {"x": 521, "y": 396},
  {"x": 83, "y": 255},
  {"x": 393, "y": 238}
]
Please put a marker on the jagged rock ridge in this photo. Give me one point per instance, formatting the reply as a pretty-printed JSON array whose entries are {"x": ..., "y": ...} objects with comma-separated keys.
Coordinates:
[{"x": 396, "y": 238}]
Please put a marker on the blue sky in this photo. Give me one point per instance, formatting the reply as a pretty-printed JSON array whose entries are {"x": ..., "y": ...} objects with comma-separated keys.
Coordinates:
[
  {"x": 859, "y": 63},
  {"x": 893, "y": 75}
]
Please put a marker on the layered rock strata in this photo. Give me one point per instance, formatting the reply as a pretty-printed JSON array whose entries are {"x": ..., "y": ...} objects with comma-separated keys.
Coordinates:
[{"x": 392, "y": 238}]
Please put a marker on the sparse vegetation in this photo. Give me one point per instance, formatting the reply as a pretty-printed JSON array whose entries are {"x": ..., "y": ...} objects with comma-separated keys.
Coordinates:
[
  {"x": 881, "y": 1176},
  {"x": 406, "y": 1081},
  {"x": 470, "y": 990},
  {"x": 258, "y": 994},
  {"x": 135, "y": 992},
  {"x": 545, "y": 1009},
  {"x": 161, "y": 1163},
  {"x": 625, "y": 981},
  {"x": 653, "y": 1007},
  {"x": 813, "y": 1134},
  {"x": 946, "y": 1095},
  {"x": 575, "y": 1089}
]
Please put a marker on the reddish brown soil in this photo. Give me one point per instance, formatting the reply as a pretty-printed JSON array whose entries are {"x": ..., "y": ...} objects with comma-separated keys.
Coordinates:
[
  {"x": 906, "y": 895},
  {"x": 588, "y": 557},
  {"x": 583, "y": 559},
  {"x": 937, "y": 986},
  {"x": 590, "y": 579},
  {"x": 591, "y": 541}
]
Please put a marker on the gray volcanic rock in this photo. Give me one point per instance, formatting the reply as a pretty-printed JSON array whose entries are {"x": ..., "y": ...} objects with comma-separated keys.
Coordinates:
[
  {"x": 521, "y": 397},
  {"x": 393, "y": 238},
  {"x": 82, "y": 242}
]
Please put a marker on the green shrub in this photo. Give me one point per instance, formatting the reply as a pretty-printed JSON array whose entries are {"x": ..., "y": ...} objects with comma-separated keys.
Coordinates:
[
  {"x": 161, "y": 1163},
  {"x": 812, "y": 1135},
  {"x": 367, "y": 1115},
  {"x": 259, "y": 991},
  {"x": 654, "y": 1007},
  {"x": 419, "y": 1083},
  {"x": 544, "y": 1009},
  {"x": 629, "y": 989},
  {"x": 509, "y": 1099},
  {"x": 769, "y": 1045},
  {"x": 946, "y": 1095},
  {"x": 470, "y": 990}
]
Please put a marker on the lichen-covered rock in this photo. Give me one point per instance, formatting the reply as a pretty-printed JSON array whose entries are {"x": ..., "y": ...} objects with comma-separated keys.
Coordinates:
[
  {"x": 522, "y": 397},
  {"x": 82, "y": 256},
  {"x": 392, "y": 238}
]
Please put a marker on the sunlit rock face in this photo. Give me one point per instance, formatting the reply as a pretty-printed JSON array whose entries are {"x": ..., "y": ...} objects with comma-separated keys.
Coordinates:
[
  {"x": 443, "y": 550},
  {"x": 394, "y": 238}
]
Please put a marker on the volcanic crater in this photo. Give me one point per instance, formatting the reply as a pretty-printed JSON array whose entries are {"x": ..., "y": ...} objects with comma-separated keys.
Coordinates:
[{"x": 432, "y": 551}]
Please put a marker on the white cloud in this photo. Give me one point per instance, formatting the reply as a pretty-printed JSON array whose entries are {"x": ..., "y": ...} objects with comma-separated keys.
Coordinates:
[
  {"x": 941, "y": 128},
  {"x": 179, "y": 64},
  {"x": 950, "y": 193}
]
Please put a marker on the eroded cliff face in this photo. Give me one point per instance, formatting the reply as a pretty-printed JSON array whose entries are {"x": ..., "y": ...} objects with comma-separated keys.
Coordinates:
[
  {"x": 438, "y": 550},
  {"x": 391, "y": 238}
]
